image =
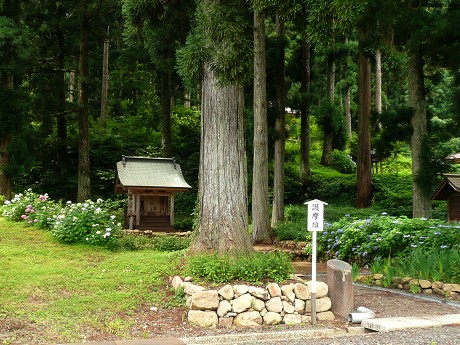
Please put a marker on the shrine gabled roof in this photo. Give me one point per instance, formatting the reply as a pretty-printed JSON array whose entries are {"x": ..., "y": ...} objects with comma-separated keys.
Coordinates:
[
  {"x": 450, "y": 183},
  {"x": 145, "y": 172}
]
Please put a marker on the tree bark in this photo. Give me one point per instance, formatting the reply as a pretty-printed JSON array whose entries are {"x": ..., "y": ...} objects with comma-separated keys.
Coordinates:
[
  {"x": 61, "y": 123},
  {"x": 10, "y": 9},
  {"x": 280, "y": 124},
  {"x": 378, "y": 82},
  {"x": 348, "y": 98},
  {"x": 364, "y": 192},
  {"x": 166, "y": 114},
  {"x": 223, "y": 223},
  {"x": 5, "y": 181},
  {"x": 305, "y": 84},
  {"x": 348, "y": 110},
  {"x": 328, "y": 139},
  {"x": 84, "y": 178},
  {"x": 105, "y": 80},
  {"x": 421, "y": 202},
  {"x": 261, "y": 229}
]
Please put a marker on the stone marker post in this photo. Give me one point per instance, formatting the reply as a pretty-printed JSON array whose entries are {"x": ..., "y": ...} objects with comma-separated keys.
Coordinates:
[{"x": 340, "y": 282}]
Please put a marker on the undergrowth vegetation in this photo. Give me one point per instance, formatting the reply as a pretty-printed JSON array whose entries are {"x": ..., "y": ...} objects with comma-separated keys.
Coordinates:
[
  {"x": 65, "y": 290},
  {"x": 253, "y": 268}
]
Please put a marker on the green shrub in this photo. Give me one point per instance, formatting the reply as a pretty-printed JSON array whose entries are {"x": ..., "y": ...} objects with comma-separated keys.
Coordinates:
[
  {"x": 295, "y": 226},
  {"x": 131, "y": 242},
  {"x": 393, "y": 193},
  {"x": 170, "y": 243},
  {"x": 293, "y": 191},
  {"x": 342, "y": 162},
  {"x": 292, "y": 231},
  {"x": 253, "y": 268},
  {"x": 295, "y": 213},
  {"x": 331, "y": 186}
]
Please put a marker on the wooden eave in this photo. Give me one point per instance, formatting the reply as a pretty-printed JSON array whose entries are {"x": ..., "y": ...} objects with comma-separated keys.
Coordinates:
[{"x": 450, "y": 183}]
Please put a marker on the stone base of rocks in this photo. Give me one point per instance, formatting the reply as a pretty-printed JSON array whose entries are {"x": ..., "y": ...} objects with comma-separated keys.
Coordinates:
[
  {"x": 413, "y": 285},
  {"x": 249, "y": 306}
]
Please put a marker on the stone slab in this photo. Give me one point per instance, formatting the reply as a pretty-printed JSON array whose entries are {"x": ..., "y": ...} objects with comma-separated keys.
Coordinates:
[{"x": 398, "y": 323}]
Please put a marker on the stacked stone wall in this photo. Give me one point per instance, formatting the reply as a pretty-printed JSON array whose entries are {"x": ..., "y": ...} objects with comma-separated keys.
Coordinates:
[{"x": 248, "y": 306}]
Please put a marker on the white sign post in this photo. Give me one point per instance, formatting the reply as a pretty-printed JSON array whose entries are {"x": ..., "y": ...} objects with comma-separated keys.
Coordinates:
[{"x": 315, "y": 220}]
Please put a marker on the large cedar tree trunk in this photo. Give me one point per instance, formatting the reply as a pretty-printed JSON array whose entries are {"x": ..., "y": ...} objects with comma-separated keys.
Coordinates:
[
  {"x": 223, "y": 224},
  {"x": 421, "y": 201},
  {"x": 305, "y": 169},
  {"x": 280, "y": 124},
  {"x": 262, "y": 232},
  {"x": 84, "y": 178},
  {"x": 364, "y": 193}
]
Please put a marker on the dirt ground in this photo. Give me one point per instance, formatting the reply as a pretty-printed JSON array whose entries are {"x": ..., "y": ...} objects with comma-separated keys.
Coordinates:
[{"x": 172, "y": 322}]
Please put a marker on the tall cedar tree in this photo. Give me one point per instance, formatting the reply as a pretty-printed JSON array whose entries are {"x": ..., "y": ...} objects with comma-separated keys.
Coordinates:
[
  {"x": 261, "y": 229},
  {"x": 280, "y": 129},
  {"x": 220, "y": 46},
  {"x": 84, "y": 172},
  {"x": 155, "y": 23},
  {"x": 10, "y": 115}
]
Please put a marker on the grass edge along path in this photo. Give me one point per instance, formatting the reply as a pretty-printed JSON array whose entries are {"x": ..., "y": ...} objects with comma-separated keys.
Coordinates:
[{"x": 66, "y": 288}]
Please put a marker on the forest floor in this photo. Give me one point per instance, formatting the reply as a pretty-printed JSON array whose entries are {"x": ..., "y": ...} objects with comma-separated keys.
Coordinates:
[{"x": 146, "y": 323}]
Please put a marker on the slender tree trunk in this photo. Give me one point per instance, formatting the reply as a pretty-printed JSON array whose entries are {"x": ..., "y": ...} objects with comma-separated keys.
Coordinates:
[
  {"x": 421, "y": 201},
  {"x": 348, "y": 97},
  {"x": 61, "y": 123},
  {"x": 364, "y": 193},
  {"x": 261, "y": 229},
  {"x": 223, "y": 225},
  {"x": 348, "y": 110},
  {"x": 105, "y": 80},
  {"x": 305, "y": 170},
  {"x": 378, "y": 82},
  {"x": 84, "y": 177},
  {"x": 280, "y": 124},
  {"x": 187, "y": 100},
  {"x": 71, "y": 97},
  {"x": 328, "y": 139},
  {"x": 166, "y": 112},
  {"x": 5, "y": 181}
]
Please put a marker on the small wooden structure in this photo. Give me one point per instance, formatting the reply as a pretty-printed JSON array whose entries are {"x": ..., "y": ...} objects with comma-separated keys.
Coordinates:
[
  {"x": 449, "y": 189},
  {"x": 151, "y": 184}
]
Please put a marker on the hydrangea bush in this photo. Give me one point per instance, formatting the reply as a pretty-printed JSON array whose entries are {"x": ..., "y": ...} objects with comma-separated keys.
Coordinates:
[
  {"x": 88, "y": 222},
  {"x": 364, "y": 240},
  {"x": 27, "y": 206}
]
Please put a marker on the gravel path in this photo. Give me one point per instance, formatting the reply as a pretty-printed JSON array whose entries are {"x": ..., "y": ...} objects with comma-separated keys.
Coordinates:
[{"x": 449, "y": 335}]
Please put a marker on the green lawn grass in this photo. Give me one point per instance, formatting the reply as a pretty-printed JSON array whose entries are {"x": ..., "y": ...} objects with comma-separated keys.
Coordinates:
[{"x": 69, "y": 288}]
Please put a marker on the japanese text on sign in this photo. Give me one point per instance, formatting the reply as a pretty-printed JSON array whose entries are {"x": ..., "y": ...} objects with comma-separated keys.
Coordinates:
[{"x": 315, "y": 215}]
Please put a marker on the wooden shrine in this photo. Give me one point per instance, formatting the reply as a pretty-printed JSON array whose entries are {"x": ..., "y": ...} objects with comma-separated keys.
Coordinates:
[
  {"x": 449, "y": 189},
  {"x": 151, "y": 184}
]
